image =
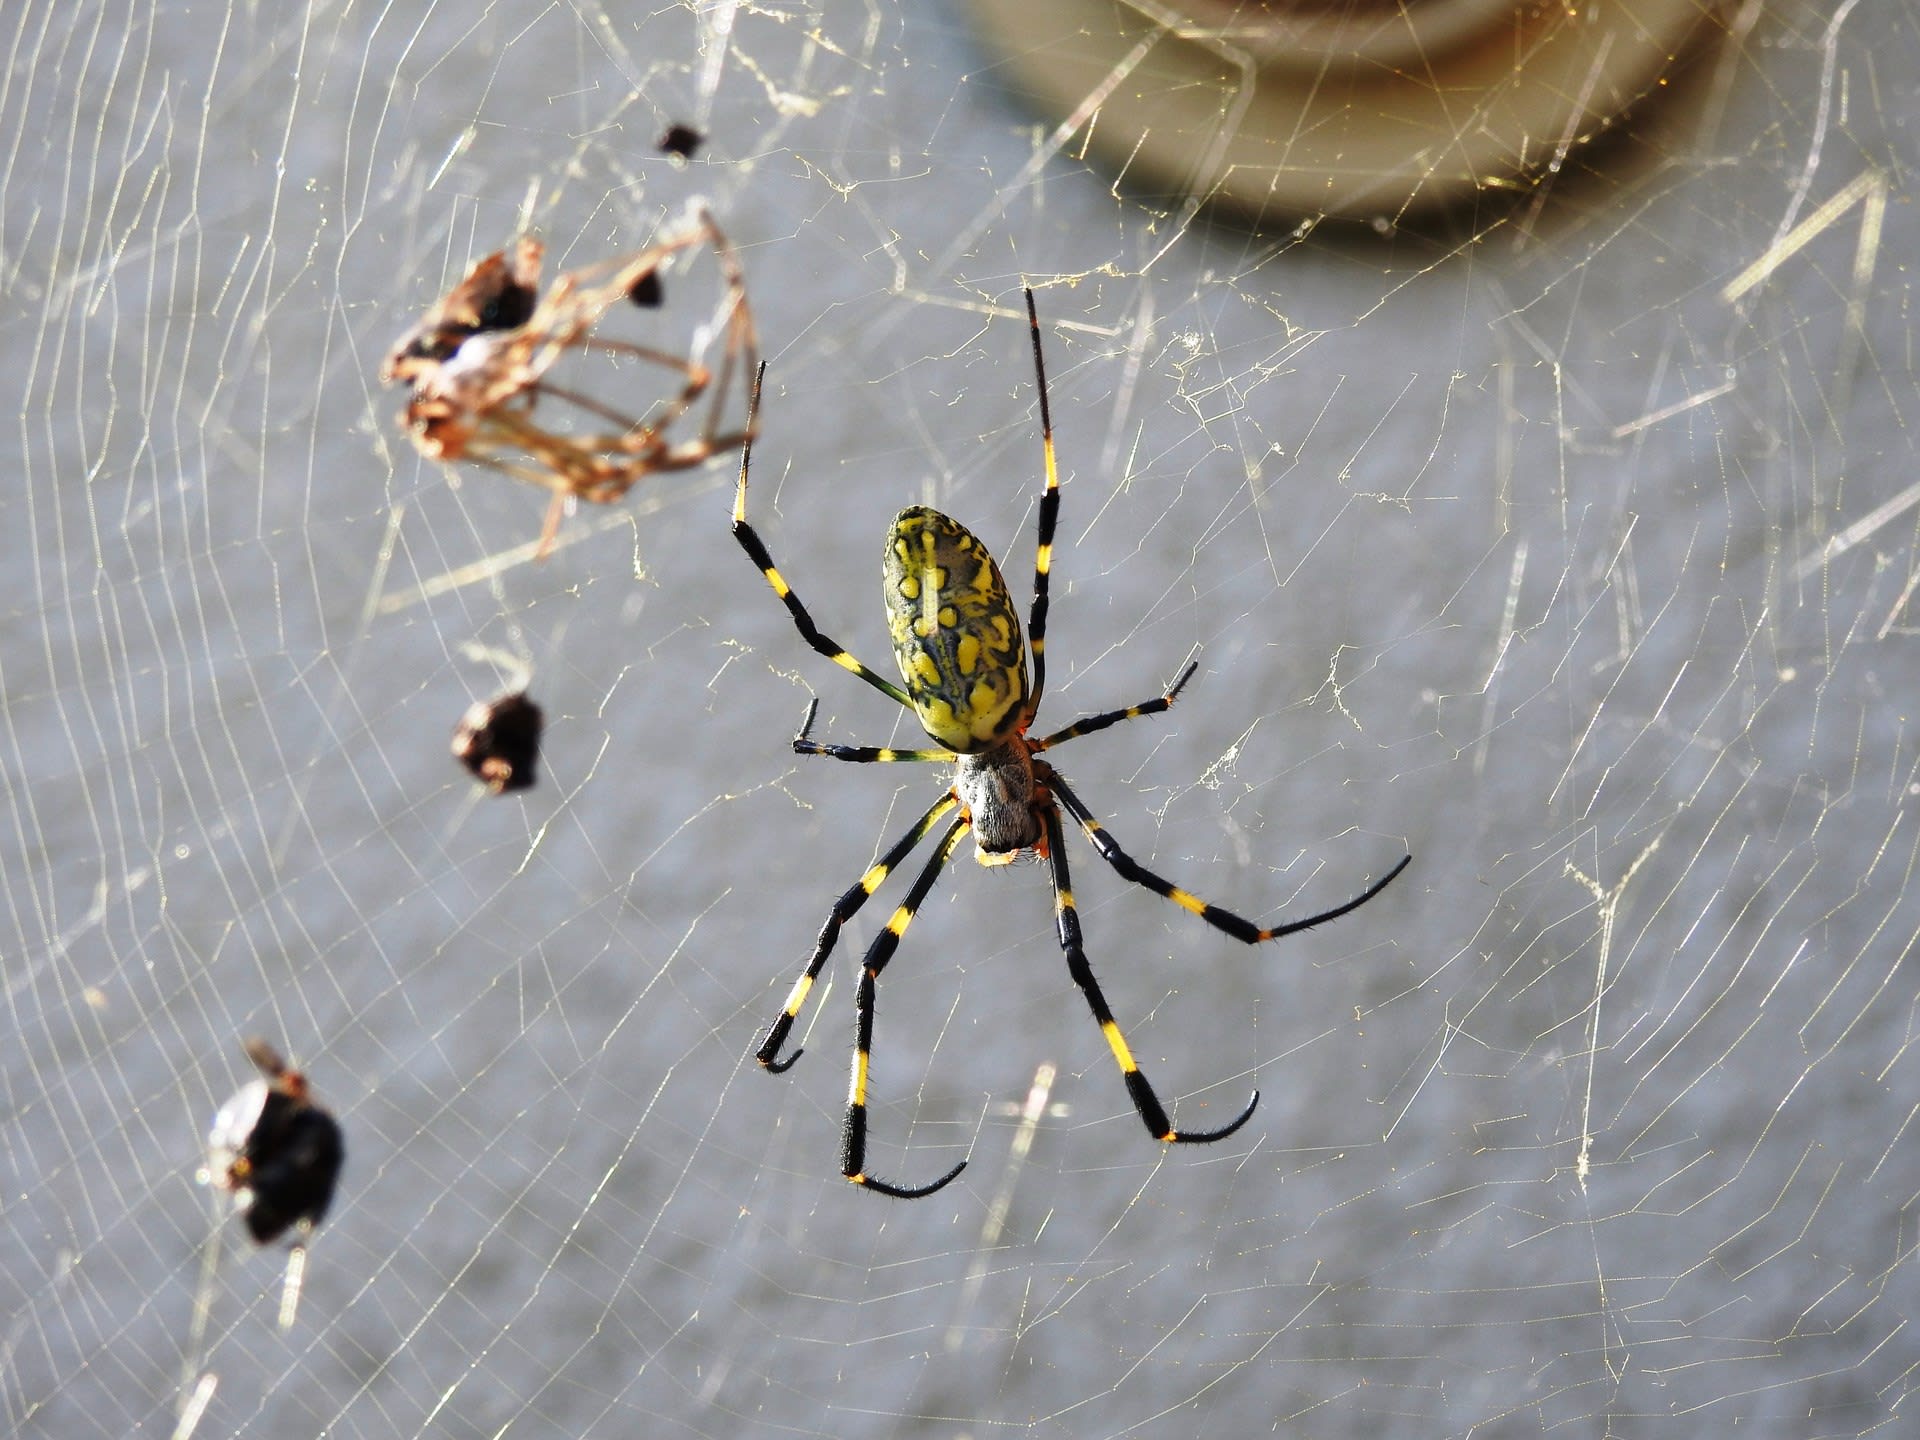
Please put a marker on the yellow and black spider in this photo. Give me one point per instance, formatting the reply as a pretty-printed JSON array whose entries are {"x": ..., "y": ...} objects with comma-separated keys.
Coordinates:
[{"x": 957, "y": 640}]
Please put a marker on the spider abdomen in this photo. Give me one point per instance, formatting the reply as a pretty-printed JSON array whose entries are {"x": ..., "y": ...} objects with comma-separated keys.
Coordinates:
[{"x": 956, "y": 635}]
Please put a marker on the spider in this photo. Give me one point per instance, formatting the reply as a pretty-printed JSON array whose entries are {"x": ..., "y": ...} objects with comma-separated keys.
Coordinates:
[
  {"x": 957, "y": 640},
  {"x": 479, "y": 362}
]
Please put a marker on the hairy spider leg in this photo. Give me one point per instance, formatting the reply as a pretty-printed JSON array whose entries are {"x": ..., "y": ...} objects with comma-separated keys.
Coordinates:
[
  {"x": 1067, "y": 923},
  {"x": 1049, "y": 518},
  {"x": 803, "y": 744},
  {"x": 853, "y": 1162},
  {"x": 844, "y": 909},
  {"x": 1093, "y": 723},
  {"x": 1237, "y": 926},
  {"x": 757, "y": 552}
]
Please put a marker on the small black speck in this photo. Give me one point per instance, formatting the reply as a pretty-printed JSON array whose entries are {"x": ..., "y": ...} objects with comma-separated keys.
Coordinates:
[
  {"x": 680, "y": 141},
  {"x": 512, "y": 307},
  {"x": 646, "y": 292}
]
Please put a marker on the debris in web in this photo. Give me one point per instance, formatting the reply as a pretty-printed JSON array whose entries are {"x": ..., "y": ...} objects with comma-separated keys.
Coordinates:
[
  {"x": 275, "y": 1151},
  {"x": 483, "y": 357},
  {"x": 498, "y": 740},
  {"x": 680, "y": 141}
]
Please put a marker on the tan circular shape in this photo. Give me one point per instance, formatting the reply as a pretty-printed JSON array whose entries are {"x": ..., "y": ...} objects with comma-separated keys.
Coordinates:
[
  {"x": 1305, "y": 36},
  {"x": 1362, "y": 108}
]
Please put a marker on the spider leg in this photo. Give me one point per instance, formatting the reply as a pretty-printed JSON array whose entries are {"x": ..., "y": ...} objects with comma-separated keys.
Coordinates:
[
  {"x": 743, "y": 344},
  {"x": 1067, "y": 922},
  {"x": 604, "y": 467},
  {"x": 1113, "y": 717},
  {"x": 1049, "y": 517},
  {"x": 689, "y": 453},
  {"x": 861, "y": 754},
  {"x": 844, "y": 909},
  {"x": 633, "y": 436},
  {"x": 1237, "y": 926},
  {"x": 694, "y": 374},
  {"x": 550, "y": 528},
  {"x": 584, "y": 402},
  {"x": 758, "y": 554},
  {"x": 853, "y": 1162}
]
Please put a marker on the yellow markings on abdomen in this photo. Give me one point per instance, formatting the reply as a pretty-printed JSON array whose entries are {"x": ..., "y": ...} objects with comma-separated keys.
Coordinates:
[
  {"x": 956, "y": 636},
  {"x": 928, "y": 584}
]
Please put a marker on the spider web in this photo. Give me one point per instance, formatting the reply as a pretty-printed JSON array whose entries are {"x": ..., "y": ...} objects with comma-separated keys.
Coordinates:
[{"x": 1570, "y": 548}]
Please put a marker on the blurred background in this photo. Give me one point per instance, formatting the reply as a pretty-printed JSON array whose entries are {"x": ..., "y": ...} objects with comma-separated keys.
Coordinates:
[{"x": 1507, "y": 408}]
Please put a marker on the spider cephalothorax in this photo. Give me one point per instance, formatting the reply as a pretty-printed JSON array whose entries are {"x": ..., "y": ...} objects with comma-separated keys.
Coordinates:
[{"x": 999, "y": 797}]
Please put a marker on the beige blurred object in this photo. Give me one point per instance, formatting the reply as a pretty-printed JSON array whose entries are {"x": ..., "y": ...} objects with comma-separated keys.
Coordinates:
[{"x": 1365, "y": 109}]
